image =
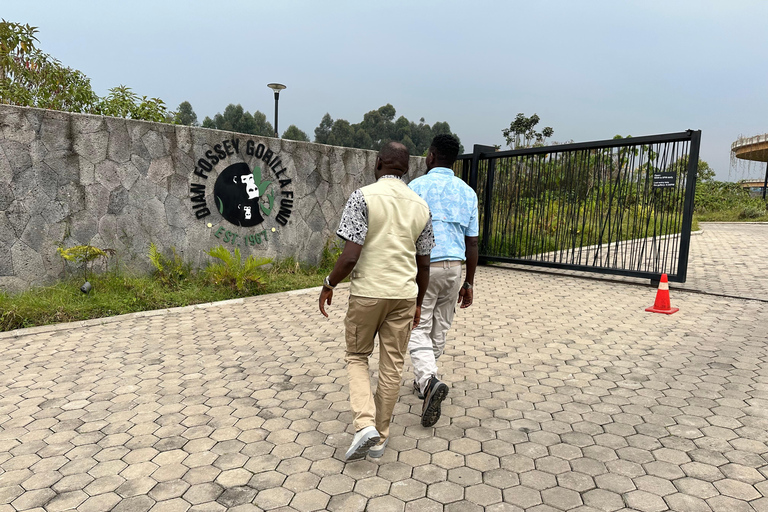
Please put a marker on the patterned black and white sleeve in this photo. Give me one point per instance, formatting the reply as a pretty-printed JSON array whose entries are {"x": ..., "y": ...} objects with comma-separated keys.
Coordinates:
[
  {"x": 426, "y": 241},
  {"x": 354, "y": 219}
]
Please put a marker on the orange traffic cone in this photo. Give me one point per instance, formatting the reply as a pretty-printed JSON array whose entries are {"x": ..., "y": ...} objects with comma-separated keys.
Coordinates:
[{"x": 662, "y": 304}]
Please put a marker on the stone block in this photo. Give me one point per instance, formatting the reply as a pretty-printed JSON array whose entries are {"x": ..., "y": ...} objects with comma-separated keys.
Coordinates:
[
  {"x": 6, "y": 196},
  {"x": 92, "y": 146},
  {"x": 17, "y": 217},
  {"x": 15, "y": 127},
  {"x": 160, "y": 169},
  {"x": 56, "y": 131},
  {"x": 33, "y": 234},
  {"x": 156, "y": 144},
  {"x": 6, "y": 262},
  {"x": 118, "y": 199},
  {"x": 119, "y": 142},
  {"x": 27, "y": 263}
]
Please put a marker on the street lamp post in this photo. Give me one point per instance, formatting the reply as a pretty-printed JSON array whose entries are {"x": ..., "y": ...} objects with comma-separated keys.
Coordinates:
[{"x": 277, "y": 88}]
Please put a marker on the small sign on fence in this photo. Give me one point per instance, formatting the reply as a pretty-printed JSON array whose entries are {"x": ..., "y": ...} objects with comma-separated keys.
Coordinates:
[{"x": 664, "y": 179}]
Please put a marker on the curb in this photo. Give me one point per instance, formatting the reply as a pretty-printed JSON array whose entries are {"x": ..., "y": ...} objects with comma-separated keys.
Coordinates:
[{"x": 27, "y": 331}]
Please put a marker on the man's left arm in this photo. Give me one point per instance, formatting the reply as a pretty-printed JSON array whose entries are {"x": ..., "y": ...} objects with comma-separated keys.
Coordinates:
[
  {"x": 422, "y": 281},
  {"x": 424, "y": 245}
]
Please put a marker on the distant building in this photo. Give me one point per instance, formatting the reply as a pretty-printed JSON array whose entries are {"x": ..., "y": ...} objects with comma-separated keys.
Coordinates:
[{"x": 756, "y": 150}]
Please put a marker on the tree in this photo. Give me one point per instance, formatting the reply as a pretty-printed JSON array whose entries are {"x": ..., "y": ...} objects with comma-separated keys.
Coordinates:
[
  {"x": 342, "y": 134},
  {"x": 521, "y": 132},
  {"x": 293, "y": 133},
  {"x": 32, "y": 78},
  {"x": 379, "y": 127},
  {"x": 236, "y": 119},
  {"x": 704, "y": 173},
  {"x": 185, "y": 115},
  {"x": 122, "y": 102},
  {"x": 323, "y": 130}
]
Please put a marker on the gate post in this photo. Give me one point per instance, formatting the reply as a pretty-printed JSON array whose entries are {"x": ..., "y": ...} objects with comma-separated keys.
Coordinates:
[
  {"x": 690, "y": 193},
  {"x": 478, "y": 151}
]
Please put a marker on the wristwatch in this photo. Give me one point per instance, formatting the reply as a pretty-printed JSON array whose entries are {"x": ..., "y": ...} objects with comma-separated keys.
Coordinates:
[
  {"x": 467, "y": 286},
  {"x": 327, "y": 282}
]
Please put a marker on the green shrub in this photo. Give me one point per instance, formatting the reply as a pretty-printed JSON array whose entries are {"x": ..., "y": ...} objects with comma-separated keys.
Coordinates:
[
  {"x": 232, "y": 272},
  {"x": 83, "y": 255},
  {"x": 331, "y": 252},
  {"x": 171, "y": 271},
  {"x": 752, "y": 211}
]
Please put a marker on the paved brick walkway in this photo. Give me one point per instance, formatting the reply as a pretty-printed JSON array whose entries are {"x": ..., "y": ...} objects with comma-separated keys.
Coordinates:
[
  {"x": 565, "y": 395},
  {"x": 730, "y": 259}
]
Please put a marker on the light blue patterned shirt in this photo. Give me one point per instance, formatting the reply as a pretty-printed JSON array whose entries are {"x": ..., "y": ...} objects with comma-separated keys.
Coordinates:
[{"x": 453, "y": 204}]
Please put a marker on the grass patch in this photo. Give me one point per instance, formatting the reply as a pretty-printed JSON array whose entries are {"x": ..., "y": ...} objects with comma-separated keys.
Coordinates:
[
  {"x": 116, "y": 293},
  {"x": 732, "y": 215}
]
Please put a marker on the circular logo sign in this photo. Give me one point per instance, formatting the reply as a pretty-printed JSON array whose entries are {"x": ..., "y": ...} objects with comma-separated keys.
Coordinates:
[{"x": 237, "y": 192}]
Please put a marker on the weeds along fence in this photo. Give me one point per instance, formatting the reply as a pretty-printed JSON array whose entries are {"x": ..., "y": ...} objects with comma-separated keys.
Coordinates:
[{"x": 621, "y": 206}]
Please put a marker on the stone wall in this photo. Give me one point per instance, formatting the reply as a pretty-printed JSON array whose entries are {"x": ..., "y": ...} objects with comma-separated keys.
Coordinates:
[{"x": 73, "y": 179}]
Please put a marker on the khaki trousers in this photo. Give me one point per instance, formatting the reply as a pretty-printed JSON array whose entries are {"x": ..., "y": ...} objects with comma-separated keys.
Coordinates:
[
  {"x": 428, "y": 339},
  {"x": 392, "y": 319}
]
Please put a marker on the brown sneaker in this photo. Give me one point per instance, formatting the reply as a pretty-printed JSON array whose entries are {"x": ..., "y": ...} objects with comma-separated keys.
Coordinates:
[{"x": 434, "y": 395}]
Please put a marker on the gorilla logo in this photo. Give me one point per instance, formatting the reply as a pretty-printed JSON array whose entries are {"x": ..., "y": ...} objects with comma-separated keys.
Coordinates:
[{"x": 237, "y": 191}]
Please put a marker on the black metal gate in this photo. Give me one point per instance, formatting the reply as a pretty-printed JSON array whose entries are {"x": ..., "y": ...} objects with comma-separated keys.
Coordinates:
[{"x": 621, "y": 206}]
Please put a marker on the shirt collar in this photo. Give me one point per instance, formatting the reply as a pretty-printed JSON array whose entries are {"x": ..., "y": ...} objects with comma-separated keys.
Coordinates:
[
  {"x": 441, "y": 170},
  {"x": 391, "y": 176}
]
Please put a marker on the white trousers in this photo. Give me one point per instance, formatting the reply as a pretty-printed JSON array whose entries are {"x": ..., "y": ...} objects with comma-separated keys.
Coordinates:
[{"x": 427, "y": 341}]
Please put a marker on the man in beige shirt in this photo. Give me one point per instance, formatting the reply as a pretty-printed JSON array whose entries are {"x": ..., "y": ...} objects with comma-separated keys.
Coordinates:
[{"x": 388, "y": 233}]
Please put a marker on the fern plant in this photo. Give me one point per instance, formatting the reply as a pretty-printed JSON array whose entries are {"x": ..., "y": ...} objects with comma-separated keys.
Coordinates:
[
  {"x": 84, "y": 254},
  {"x": 171, "y": 271},
  {"x": 232, "y": 271}
]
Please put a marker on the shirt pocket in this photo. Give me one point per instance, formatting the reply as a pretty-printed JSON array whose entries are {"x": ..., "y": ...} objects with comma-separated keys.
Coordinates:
[{"x": 454, "y": 215}]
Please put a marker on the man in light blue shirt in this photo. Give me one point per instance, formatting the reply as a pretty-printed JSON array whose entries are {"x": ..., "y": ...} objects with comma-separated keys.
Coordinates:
[{"x": 453, "y": 204}]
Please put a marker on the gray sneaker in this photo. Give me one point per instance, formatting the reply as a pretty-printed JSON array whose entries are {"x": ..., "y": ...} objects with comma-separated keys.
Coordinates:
[
  {"x": 435, "y": 393},
  {"x": 364, "y": 439}
]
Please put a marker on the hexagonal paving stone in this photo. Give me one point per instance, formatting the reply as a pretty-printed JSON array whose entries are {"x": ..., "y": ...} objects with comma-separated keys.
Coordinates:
[
  {"x": 385, "y": 504},
  {"x": 347, "y": 502},
  {"x": 560, "y": 498},
  {"x": 482, "y": 494},
  {"x": 603, "y": 500},
  {"x": 645, "y": 501},
  {"x": 372, "y": 487},
  {"x": 308, "y": 501},
  {"x": 236, "y": 496},
  {"x": 408, "y": 490},
  {"x": 521, "y": 496},
  {"x": 465, "y": 476},
  {"x": 538, "y": 480},
  {"x": 445, "y": 492}
]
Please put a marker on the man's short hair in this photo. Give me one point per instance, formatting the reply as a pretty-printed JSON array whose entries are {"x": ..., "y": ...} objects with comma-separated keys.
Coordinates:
[
  {"x": 395, "y": 156},
  {"x": 446, "y": 148}
]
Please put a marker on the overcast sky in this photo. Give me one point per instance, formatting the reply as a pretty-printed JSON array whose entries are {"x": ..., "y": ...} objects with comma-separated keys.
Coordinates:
[{"x": 589, "y": 69}]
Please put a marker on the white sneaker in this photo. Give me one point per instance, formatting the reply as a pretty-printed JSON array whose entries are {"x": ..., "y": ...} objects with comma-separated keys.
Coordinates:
[
  {"x": 378, "y": 450},
  {"x": 361, "y": 443}
]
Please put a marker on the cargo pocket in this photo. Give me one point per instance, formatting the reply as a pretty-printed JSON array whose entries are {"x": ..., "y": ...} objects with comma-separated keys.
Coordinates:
[{"x": 351, "y": 335}]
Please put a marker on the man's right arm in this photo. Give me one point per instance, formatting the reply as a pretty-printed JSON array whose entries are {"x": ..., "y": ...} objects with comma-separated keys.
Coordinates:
[
  {"x": 466, "y": 294},
  {"x": 470, "y": 253}
]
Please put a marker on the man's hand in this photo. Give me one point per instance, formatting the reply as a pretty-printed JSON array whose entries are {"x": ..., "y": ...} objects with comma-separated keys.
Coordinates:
[
  {"x": 465, "y": 297},
  {"x": 417, "y": 317},
  {"x": 326, "y": 294}
]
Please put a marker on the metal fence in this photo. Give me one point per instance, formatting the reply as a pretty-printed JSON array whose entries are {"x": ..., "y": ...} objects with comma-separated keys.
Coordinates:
[{"x": 621, "y": 206}]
